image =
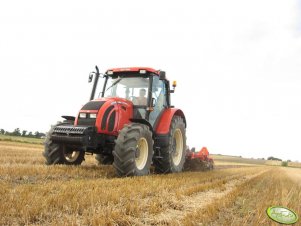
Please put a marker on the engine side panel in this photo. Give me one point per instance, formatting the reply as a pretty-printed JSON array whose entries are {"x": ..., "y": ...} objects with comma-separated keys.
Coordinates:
[{"x": 112, "y": 114}]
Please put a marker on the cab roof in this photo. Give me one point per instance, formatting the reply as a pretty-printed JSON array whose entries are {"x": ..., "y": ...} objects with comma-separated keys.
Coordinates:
[{"x": 134, "y": 69}]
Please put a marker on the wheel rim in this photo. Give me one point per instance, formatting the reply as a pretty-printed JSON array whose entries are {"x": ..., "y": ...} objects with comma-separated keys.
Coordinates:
[
  {"x": 141, "y": 153},
  {"x": 71, "y": 156},
  {"x": 177, "y": 147}
]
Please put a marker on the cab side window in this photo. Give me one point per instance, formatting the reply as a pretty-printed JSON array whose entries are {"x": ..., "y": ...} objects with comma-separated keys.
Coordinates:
[{"x": 159, "y": 99}]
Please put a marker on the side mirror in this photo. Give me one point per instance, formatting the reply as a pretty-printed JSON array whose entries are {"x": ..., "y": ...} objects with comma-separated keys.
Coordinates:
[
  {"x": 162, "y": 75},
  {"x": 91, "y": 77}
]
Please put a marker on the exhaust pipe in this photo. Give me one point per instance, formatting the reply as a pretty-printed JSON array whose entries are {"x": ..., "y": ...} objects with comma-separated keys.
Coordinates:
[{"x": 95, "y": 83}]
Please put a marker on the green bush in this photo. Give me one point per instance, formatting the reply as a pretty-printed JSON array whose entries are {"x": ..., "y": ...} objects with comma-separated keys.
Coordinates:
[{"x": 284, "y": 163}]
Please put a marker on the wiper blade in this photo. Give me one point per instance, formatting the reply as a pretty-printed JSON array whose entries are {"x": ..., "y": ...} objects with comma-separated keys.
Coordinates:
[{"x": 114, "y": 83}]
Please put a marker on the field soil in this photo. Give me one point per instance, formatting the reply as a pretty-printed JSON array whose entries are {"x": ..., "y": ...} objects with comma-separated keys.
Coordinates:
[{"x": 234, "y": 193}]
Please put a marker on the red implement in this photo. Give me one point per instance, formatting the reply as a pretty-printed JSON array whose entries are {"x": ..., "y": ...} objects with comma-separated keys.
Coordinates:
[{"x": 198, "y": 160}]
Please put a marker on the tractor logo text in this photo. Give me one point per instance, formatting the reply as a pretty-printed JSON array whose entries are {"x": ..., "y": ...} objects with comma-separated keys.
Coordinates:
[{"x": 282, "y": 215}]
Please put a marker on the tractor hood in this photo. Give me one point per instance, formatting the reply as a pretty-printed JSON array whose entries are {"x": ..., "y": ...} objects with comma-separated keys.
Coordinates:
[{"x": 106, "y": 114}]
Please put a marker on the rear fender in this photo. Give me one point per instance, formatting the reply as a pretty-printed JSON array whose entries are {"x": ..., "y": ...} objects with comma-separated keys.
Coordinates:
[{"x": 163, "y": 125}]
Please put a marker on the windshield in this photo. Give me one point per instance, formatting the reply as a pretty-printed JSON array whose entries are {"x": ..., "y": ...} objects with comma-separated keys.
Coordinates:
[{"x": 134, "y": 89}]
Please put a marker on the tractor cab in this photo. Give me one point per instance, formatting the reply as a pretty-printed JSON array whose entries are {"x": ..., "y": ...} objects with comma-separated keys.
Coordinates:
[{"x": 145, "y": 88}]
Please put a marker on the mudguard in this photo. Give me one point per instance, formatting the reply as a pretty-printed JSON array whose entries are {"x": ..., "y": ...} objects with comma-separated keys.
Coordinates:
[{"x": 164, "y": 122}]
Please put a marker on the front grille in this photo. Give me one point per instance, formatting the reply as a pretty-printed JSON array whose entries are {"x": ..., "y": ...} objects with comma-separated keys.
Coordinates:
[
  {"x": 86, "y": 121},
  {"x": 83, "y": 135},
  {"x": 68, "y": 139},
  {"x": 69, "y": 130}
]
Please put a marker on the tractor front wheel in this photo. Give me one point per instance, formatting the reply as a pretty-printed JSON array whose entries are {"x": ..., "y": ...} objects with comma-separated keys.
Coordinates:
[
  {"x": 60, "y": 153},
  {"x": 133, "y": 150}
]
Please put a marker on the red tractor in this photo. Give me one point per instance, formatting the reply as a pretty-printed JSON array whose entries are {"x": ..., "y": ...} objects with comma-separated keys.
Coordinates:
[{"x": 129, "y": 122}]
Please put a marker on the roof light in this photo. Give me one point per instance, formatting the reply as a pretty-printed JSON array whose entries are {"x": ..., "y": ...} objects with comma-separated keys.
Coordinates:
[
  {"x": 109, "y": 72},
  {"x": 142, "y": 71}
]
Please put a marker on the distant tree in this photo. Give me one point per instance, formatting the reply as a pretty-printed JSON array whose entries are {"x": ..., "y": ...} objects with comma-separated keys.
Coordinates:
[
  {"x": 24, "y": 133},
  {"x": 288, "y": 160},
  {"x": 36, "y": 134},
  {"x": 2, "y": 131},
  {"x": 273, "y": 158},
  {"x": 30, "y": 134},
  {"x": 42, "y": 135},
  {"x": 16, "y": 132}
]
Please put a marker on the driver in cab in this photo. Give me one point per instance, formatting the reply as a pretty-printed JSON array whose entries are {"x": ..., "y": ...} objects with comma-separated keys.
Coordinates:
[{"x": 141, "y": 100}]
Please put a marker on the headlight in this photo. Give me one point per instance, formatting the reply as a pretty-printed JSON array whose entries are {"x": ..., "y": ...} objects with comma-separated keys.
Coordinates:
[
  {"x": 93, "y": 115},
  {"x": 82, "y": 115}
]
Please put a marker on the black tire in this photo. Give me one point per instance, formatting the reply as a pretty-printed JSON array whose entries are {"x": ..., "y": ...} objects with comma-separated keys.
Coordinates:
[
  {"x": 166, "y": 163},
  {"x": 104, "y": 159},
  {"x": 133, "y": 150},
  {"x": 60, "y": 153}
]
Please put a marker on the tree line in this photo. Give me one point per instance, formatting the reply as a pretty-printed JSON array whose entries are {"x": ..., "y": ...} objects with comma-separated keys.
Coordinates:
[
  {"x": 24, "y": 133},
  {"x": 273, "y": 158}
]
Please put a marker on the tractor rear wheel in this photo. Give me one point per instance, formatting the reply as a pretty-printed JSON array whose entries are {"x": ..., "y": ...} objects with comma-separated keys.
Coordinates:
[
  {"x": 133, "y": 150},
  {"x": 61, "y": 153},
  {"x": 173, "y": 156}
]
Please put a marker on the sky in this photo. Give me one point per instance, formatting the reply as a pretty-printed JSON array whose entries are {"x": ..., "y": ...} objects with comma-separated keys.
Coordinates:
[{"x": 236, "y": 63}]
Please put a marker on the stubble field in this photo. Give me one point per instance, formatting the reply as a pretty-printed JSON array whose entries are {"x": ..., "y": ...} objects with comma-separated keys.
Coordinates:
[{"x": 238, "y": 194}]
